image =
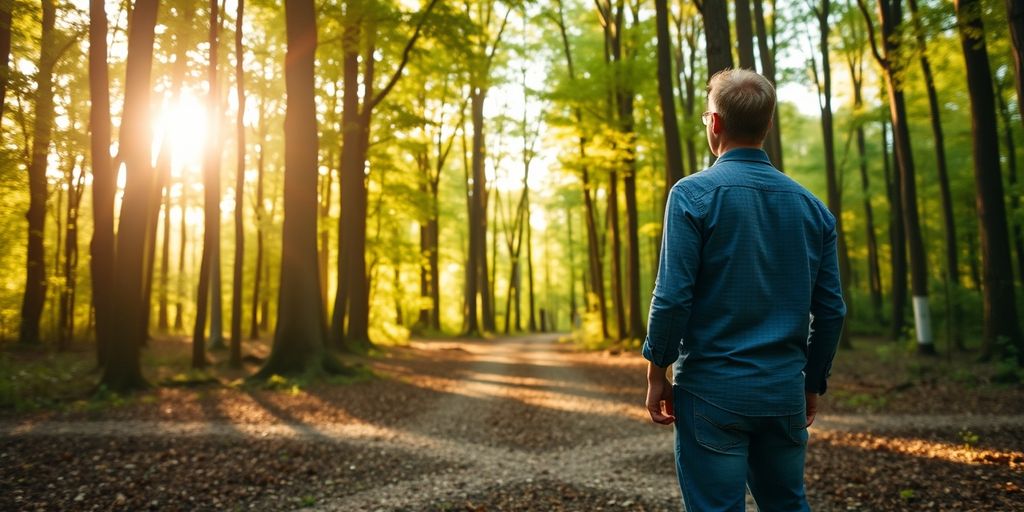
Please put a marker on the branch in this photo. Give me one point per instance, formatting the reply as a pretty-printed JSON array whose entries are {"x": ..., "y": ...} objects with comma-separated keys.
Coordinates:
[
  {"x": 871, "y": 35},
  {"x": 405, "y": 59},
  {"x": 497, "y": 41}
]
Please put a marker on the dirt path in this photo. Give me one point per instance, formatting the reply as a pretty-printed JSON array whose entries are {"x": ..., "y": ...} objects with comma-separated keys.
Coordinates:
[{"x": 511, "y": 424}]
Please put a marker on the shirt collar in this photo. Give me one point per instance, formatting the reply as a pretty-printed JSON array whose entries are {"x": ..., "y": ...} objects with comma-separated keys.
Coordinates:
[{"x": 746, "y": 154}]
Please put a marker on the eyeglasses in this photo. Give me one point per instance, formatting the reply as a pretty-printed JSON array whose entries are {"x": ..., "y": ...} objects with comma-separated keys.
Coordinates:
[{"x": 706, "y": 117}]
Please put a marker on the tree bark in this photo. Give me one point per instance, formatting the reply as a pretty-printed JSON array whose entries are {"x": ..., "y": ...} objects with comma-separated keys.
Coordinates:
[
  {"x": 669, "y": 121},
  {"x": 1015, "y": 19},
  {"x": 211, "y": 200},
  {"x": 299, "y": 339},
  {"x": 834, "y": 192},
  {"x": 1011, "y": 166},
  {"x": 897, "y": 242},
  {"x": 6, "y": 17},
  {"x": 766, "y": 49},
  {"x": 236, "y": 281},
  {"x": 261, "y": 217},
  {"x": 949, "y": 221},
  {"x": 715, "y": 14},
  {"x": 182, "y": 286},
  {"x": 744, "y": 35},
  {"x": 1001, "y": 332},
  {"x": 122, "y": 371},
  {"x": 66, "y": 322},
  {"x": 890, "y": 15},
  {"x": 874, "y": 272},
  {"x": 101, "y": 249},
  {"x": 35, "y": 275}
]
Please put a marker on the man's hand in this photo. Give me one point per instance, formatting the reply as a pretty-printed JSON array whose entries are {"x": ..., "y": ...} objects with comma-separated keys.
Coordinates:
[
  {"x": 659, "y": 396},
  {"x": 812, "y": 406}
]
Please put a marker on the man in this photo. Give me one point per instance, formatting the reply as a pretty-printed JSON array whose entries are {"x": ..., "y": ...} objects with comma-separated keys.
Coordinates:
[{"x": 748, "y": 307}]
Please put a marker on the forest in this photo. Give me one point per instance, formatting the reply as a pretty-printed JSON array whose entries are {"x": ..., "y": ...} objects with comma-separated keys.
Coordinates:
[{"x": 231, "y": 191}]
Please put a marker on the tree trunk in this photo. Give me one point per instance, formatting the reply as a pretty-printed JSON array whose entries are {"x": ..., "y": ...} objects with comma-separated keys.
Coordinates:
[
  {"x": 6, "y": 17},
  {"x": 299, "y": 344},
  {"x": 261, "y": 217},
  {"x": 211, "y": 200},
  {"x": 673, "y": 148},
  {"x": 595, "y": 265},
  {"x": 834, "y": 192},
  {"x": 890, "y": 14},
  {"x": 949, "y": 221},
  {"x": 35, "y": 275},
  {"x": 1015, "y": 19},
  {"x": 162, "y": 319},
  {"x": 744, "y": 35},
  {"x": 66, "y": 323},
  {"x": 1001, "y": 332},
  {"x": 101, "y": 249},
  {"x": 236, "y": 281},
  {"x": 179, "y": 303},
  {"x": 874, "y": 271},
  {"x": 123, "y": 371},
  {"x": 897, "y": 243},
  {"x": 1011, "y": 166},
  {"x": 715, "y": 14},
  {"x": 616, "y": 249},
  {"x": 773, "y": 143}
]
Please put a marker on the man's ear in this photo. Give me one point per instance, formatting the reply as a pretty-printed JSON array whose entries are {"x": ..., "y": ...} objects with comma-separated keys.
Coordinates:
[{"x": 716, "y": 123}]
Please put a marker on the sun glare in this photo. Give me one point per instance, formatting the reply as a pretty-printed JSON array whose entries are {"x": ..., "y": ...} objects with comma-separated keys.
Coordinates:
[{"x": 182, "y": 124}]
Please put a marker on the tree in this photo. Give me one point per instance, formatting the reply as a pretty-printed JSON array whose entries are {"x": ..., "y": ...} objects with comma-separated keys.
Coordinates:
[
  {"x": 821, "y": 13},
  {"x": 773, "y": 144},
  {"x": 35, "y": 274},
  {"x": 715, "y": 14},
  {"x": 482, "y": 52},
  {"x": 1011, "y": 165},
  {"x": 673, "y": 149},
  {"x": 1001, "y": 335},
  {"x": 122, "y": 371},
  {"x": 595, "y": 265},
  {"x": 211, "y": 199},
  {"x": 1015, "y": 19},
  {"x": 299, "y": 339},
  {"x": 853, "y": 50},
  {"x": 890, "y": 14},
  {"x": 952, "y": 265},
  {"x": 104, "y": 183},
  {"x": 236, "y": 282},
  {"x": 350, "y": 321},
  {"x": 6, "y": 17}
]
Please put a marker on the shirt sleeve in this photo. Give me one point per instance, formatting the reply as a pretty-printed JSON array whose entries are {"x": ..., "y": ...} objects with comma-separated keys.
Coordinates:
[
  {"x": 678, "y": 265},
  {"x": 827, "y": 313}
]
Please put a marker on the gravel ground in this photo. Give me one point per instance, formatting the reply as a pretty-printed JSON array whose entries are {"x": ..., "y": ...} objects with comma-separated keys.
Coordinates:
[{"x": 498, "y": 425}]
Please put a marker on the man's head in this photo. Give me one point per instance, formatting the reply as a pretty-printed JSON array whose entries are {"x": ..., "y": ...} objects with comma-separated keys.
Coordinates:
[{"x": 740, "y": 108}]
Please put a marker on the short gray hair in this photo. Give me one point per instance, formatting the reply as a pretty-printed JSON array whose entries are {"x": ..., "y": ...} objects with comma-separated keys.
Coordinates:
[{"x": 745, "y": 101}]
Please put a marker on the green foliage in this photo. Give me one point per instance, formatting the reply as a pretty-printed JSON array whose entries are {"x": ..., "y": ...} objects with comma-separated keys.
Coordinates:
[
  {"x": 29, "y": 381},
  {"x": 970, "y": 439}
]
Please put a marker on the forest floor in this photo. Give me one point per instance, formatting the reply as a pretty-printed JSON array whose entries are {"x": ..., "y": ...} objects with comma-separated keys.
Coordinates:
[{"x": 523, "y": 423}]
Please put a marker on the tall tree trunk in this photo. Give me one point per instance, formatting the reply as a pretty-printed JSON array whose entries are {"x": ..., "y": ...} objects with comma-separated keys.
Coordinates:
[
  {"x": 715, "y": 14},
  {"x": 1001, "y": 332},
  {"x": 182, "y": 286},
  {"x": 1011, "y": 166},
  {"x": 596, "y": 296},
  {"x": 874, "y": 271},
  {"x": 890, "y": 14},
  {"x": 1015, "y": 19},
  {"x": 897, "y": 242},
  {"x": 35, "y": 275},
  {"x": 122, "y": 371},
  {"x": 669, "y": 121},
  {"x": 686, "y": 72},
  {"x": 101, "y": 249},
  {"x": 299, "y": 344},
  {"x": 236, "y": 281},
  {"x": 211, "y": 200},
  {"x": 261, "y": 217},
  {"x": 834, "y": 192},
  {"x": 616, "y": 250},
  {"x": 949, "y": 221},
  {"x": 162, "y": 318},
  {"x": 66, "y": 322},
  {"x": 744, "y": 35},
  {"x": 766, "y": 48},
  {"x": 6, "y": 17}
]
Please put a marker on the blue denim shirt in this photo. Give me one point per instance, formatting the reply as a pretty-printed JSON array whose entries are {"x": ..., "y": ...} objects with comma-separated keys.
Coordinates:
[{"x": 747, "y": 302}]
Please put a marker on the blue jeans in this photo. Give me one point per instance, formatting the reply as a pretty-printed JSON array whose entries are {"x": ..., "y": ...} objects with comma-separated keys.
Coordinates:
[{"x": 719, "y": 454}]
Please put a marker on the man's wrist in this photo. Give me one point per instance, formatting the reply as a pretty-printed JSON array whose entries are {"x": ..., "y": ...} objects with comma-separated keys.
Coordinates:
[{"x": 656, "y": 373}]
